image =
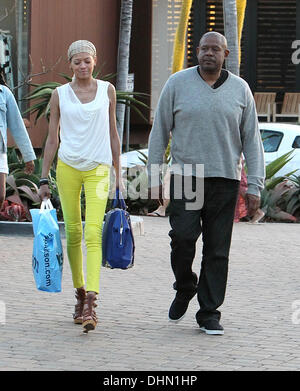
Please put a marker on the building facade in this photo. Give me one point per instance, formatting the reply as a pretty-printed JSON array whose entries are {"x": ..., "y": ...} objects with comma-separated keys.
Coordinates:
[{"x": 40, "y": 31}]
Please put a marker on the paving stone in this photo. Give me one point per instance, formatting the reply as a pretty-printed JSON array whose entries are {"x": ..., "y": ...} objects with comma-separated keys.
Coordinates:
[{"x": 133, "y": 331}]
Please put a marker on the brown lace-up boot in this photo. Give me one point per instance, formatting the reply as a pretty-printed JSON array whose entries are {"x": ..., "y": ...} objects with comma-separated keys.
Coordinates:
[
  {"x": 80, "y": 295},
  {"x": 89, "y": 314}
]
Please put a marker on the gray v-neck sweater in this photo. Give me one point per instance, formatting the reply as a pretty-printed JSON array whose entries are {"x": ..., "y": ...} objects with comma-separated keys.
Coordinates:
[{"x": 209, "y": 126}]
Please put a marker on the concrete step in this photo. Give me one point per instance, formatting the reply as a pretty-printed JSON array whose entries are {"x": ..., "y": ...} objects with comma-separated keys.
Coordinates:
[{"x": 25, "y": 228}]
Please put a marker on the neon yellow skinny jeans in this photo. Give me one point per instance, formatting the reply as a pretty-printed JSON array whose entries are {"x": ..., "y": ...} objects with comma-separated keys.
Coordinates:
[{"x": 96, "y": 186}]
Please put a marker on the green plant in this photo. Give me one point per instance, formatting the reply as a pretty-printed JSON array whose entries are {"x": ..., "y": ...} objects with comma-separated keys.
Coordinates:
[
  {"x": 24, "y": 194},
  {"x": 136, "y": 183},
  {"x": 273, "y": 202},
  {"x": 292, "y": 199},
  {"x": 278, "y": 190},
  {"x": 14, "y": 160},
  {"x": 293, "y": 203},
  {"x": 273, "y": 167},
  {"x": 22, "y": 189},
  {"x": 273, "y": 196}
]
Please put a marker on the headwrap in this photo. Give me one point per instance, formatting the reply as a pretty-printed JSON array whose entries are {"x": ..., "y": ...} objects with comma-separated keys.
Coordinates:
[{"x": 81, "y": 46}]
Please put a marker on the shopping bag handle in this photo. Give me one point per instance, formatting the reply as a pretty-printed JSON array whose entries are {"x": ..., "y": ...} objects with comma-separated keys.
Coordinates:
[
  {"x": 46, "y": 204},
  {"x": 118, "y": 201}
]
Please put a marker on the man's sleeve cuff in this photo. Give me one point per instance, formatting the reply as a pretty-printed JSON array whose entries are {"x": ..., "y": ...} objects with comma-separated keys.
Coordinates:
[{"x": 253, "y": 189}]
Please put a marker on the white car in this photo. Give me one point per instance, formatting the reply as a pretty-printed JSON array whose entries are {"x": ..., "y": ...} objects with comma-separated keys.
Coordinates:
[
  {"x": 278, "y": 139},
  {"x": 134, "y": 158}
]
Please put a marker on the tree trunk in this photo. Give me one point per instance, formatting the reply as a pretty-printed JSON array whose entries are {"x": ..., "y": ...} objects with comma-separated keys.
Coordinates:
[
  {"x": 231, "y": 34},
  {"x": 180, "y": 36},
  {"x": 123, "y": 60},
  {"x": 240, "y": 8}
]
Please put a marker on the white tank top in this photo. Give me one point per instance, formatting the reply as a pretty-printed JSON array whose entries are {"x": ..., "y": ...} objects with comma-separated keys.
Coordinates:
[{"x": 84, "y": 128}]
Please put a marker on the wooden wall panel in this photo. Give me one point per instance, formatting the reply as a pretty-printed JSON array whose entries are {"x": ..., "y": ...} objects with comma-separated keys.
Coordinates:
[
  {"x": 56, "y": 24},
  {"x": 140, "y": 65}
]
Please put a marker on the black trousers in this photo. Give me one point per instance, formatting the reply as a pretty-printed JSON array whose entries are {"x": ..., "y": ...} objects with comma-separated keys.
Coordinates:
[{"x": 214, "y": 219}]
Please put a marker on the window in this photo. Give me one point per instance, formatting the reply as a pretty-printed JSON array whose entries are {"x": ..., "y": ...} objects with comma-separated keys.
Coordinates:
[
  {"x": 270, "y": 27},
  {"x": 296, "y": 143},
  {"x": 276, "y": 30},
  {"x": 271, "y": 140}
]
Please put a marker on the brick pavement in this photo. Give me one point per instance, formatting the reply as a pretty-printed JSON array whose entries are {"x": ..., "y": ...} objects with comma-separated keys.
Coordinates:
[{"x": 133, "y": 332}]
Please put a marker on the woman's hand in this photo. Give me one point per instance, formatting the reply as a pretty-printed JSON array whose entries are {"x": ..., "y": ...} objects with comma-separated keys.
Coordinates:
[
  {"x": 29, "y": 167},
  {"x": 120, "y": 185},
  {"x": 44, "y": 192}
]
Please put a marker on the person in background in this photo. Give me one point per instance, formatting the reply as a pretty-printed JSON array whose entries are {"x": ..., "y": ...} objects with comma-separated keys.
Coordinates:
[
  {"x": 241, "y": 211},
  {"x": 163, "y": 204},
  {"x": 84, "y": 109},
  {"x": 10, "y": 117},
  {"x": 164, "y": 201},
  {"x": 212, "y": 117}
]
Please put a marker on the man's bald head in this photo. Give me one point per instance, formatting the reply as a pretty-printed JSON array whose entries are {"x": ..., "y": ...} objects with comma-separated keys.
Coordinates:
[
  {"x": 222, "y": 40},
  {"x": 212, "y": 52}
]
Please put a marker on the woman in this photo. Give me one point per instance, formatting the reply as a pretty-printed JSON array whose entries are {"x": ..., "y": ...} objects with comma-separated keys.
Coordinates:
[
  {"x": 10, "y": 117},
  {"x": 85, "y": 111}
]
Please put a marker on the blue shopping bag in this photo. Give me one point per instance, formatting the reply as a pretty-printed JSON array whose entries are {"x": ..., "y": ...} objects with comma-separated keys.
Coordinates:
[{"x": 47, "y": 254}]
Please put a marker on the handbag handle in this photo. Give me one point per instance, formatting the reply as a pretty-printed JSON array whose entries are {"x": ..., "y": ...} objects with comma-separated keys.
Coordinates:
[
  {"x": 46, "y": 204},
  {"x": 118, "y": 201}
]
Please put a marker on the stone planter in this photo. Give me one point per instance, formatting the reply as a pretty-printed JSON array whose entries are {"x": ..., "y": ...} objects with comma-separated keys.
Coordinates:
[{"x": 25, "y": 228}]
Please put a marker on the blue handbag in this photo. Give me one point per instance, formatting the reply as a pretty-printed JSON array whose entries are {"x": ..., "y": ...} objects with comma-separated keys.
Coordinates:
[
  {"x": 47, "y": 254},
  {"x": 117, "y": 236}
]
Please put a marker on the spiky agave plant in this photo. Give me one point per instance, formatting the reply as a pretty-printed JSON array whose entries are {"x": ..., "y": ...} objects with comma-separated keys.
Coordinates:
[
  {"x": 277, "y": 190},
  {"x": 273, "y": 167}
]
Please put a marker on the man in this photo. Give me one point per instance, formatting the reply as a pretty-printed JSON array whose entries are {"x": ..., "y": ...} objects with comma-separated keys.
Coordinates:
[{"x": 211, "y": 114}]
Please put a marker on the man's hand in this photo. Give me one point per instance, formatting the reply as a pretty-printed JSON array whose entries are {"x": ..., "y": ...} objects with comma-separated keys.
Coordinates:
[
  {"x": 252, "y": 203},
  {"x": 156, "y": 193},
  {"x": 29, "y": 167}
]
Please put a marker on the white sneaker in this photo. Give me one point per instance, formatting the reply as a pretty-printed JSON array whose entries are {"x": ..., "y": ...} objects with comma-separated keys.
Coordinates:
[{"x": 211, "y": 327}]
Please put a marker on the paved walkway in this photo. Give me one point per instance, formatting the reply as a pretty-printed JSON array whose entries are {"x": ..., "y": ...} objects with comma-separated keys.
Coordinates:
[{"x": 262, "y": 328}]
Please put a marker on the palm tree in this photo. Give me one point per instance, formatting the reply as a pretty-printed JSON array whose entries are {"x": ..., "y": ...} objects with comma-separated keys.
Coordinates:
[
  {"x": 180, "y": 36},
  {"x": 231, "y": 34},
  {"x": 234, "y": 14},
  {"x": 180, "y": 44},
  {"x": 123, "y": 59},
  {"x": 240, "y": 10},
  {"x": 177, "y": 65}
]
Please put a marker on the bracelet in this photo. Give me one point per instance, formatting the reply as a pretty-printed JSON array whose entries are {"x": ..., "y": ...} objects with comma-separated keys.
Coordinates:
[{"x": 43, "y": 181}]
